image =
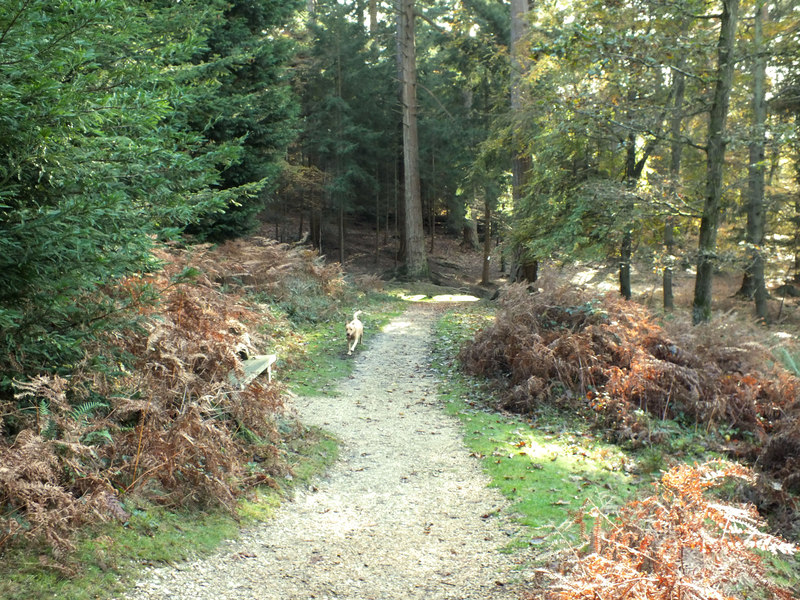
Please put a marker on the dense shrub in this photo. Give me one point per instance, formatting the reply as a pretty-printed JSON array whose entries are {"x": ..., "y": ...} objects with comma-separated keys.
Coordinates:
[
  {"x": 153, "y": 409},
  {"x": 607, "y": 357}
]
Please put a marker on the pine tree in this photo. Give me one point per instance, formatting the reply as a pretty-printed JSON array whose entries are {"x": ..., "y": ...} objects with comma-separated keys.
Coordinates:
[
  {"x": 248, "y": 52},
  {"x": 99, "y": 163}
]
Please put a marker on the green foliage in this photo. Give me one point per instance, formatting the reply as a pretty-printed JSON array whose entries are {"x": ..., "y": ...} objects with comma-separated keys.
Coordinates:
[
  {"x": 344, "y": 73},
  {"x": 789, "y": 360},
  {"x": 464, "y": 72},
  {"x": 248, "y": 52},
  {"x": 598, "y": 96},
  {"x": 102, "y": 159}
]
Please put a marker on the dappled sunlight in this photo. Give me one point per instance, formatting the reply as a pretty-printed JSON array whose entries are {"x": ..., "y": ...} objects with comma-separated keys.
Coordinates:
[
  {"x": 584, "y": 277},
  {"x": 413, "y": 297},
  {"x": 439, "y": 298},
  {"x": 454, "y": 298},
  {"x": 397, "y": 325},
  {"x": 596, "y": 279},
  {"x": 569, "y": 455}
]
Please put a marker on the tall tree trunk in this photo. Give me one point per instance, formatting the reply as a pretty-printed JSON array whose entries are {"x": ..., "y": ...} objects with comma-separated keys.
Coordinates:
[
  {"x": 796, "y": 239},
  {"x": 524, "y": 266},
  {"x": 469, "y": 235},
  {"x": 625, "y": 264},
  {"x": 753, "y": 285},
  {"x": 487, "y": 240},
  {"x": 627, "y": 236},
  {"x": 666, "y": 280},
  {"x": 432, "y": 202},
  {"x": 338, "y": 160},
  {"x": 707, "y": 245},
  {"x": 676, "y": 152},
  {"x": 377, "y": 219},
  {"x": 416, "y": 263},
  {"x": 341, "y": 233},
  {"x": 373, "y": 17}
]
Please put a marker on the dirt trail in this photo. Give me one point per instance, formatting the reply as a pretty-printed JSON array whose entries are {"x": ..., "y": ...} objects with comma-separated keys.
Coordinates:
[{"x": 402, "y": 515}]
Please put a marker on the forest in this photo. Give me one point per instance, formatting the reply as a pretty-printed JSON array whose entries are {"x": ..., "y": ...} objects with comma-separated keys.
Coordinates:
[{"x": 171, "y": 167}]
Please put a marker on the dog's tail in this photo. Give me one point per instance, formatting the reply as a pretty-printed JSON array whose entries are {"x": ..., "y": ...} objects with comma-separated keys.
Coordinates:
[{"x": 355, "y": 314}]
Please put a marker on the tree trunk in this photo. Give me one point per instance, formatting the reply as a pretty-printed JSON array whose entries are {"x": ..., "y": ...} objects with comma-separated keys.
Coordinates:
[
  {"x": 300, "y": 227},
  {"x": 487, "y": 241},
  {"x": 432, "y": 221},
  {"x": 316, "y": 229},
  {"x": 796, "y": 239},
  {"x": 373, "y": 17},
  {"x": 753, "y": 285},
  {"x": 377, "y": 220},
  {"x": 625, "y": 265},
  {"x": 625, "y": 249},
  {"x": 676, "y": 152},
  {"x": 416, "y": 263},
  {"x": 529, "y": 272},
  {"x": 341, "y": 233},
  {"x": 469, "y": 235},
  {"x": 669, "y": 242},
  {"x": 524, "y": 266},
  {"x": 717, "y": 141}
]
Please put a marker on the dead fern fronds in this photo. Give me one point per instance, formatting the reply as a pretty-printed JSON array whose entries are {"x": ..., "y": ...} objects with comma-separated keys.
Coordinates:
[
  {"x": 565, "y": 347},
  {"x": 678, "y": 543},
  {"x": 171, "y": 423},
  {"x": 369, "y": 282},
  {"x": 36, "y": 501}
]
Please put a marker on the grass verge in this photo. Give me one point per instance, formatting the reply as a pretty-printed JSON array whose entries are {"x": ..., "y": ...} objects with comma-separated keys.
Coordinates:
[
  {"x": 551, "y": 466},
  {"x": 108, "y": 556},
  {"x": 324, "y": 359}
]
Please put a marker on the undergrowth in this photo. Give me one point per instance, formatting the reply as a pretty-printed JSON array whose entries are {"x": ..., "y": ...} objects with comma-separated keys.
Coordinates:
[
  {"x": 593, "y": 531},
  {"x": 161, "y": 431},
  {"x": 547, "y": 464},
  {"x": 610, "y": 361},
  {"x": 679, "y": 542},
  {"x": 107, "y": 555}
]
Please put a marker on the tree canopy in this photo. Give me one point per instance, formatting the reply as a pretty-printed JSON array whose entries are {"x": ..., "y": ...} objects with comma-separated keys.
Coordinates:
[{"x": 126, "y": 124}]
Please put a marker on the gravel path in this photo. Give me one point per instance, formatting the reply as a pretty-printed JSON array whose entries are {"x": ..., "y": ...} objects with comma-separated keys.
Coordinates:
[{"x": 402, "y": 515}]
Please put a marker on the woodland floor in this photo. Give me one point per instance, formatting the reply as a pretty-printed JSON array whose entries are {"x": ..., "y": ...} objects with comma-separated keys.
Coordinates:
[{"x": 405, "y": 512}]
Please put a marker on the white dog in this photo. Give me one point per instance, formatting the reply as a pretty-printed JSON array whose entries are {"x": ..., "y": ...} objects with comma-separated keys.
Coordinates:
[{"x": 355, "y": 329}]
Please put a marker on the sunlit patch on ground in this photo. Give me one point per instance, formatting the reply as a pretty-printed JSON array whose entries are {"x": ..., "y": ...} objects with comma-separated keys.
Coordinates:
[
  {"x": 396, "y": 326},
  {"x": 454, "y": 298},
  {"x": 584, "y": 277},
  {"x": 439, "y": 298}
]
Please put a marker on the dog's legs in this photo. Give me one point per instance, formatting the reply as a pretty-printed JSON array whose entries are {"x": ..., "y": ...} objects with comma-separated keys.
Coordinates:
[{"x": 352, "y": 345}]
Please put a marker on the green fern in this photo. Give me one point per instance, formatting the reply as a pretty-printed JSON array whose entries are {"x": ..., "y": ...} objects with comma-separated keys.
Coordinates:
[
  {"x": 788, "y": 361},
  {"x": 51, "y": 431},
  {"x": 98, "y": 438},
  {"x": 86, "y": 409},
  {"x": 43, "y": 409}
]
